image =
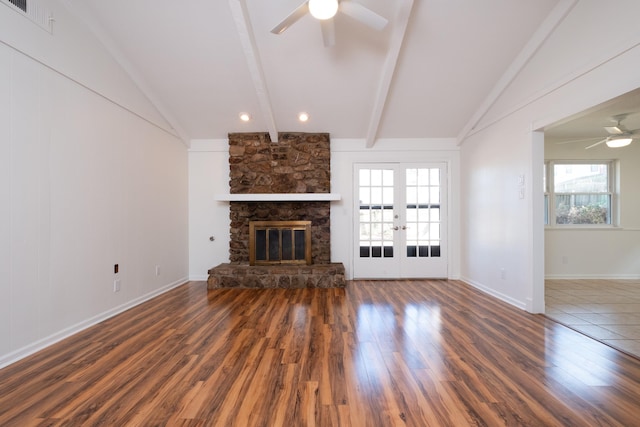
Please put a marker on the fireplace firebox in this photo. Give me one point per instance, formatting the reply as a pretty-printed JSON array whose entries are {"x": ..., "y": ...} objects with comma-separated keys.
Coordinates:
[{"x": 279, "y": 242}]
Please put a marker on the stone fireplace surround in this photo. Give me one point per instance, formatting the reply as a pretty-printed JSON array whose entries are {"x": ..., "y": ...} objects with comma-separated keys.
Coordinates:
[{"x": 299, "y": 164}]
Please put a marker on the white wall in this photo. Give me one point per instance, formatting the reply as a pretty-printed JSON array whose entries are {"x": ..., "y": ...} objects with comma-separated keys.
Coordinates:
[
  {"x": 209, "y": 175},
  {"x": 605, "y": 252},
  {"x": 569, "y": 73},
  {"x": 86, "y": 182}
]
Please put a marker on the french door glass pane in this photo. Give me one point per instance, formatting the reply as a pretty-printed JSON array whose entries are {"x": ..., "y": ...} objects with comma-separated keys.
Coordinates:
[
  {"x": 423, "y": 212},
  {"x": 376, "y": 213}
]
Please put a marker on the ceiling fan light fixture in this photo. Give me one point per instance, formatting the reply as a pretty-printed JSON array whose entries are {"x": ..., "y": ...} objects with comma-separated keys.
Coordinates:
[
  {"x": 323, "y": 9},
  {"x": 619, "y": 142}
]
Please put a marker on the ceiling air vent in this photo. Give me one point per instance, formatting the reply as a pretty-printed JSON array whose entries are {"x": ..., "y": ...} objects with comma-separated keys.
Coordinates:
[
  {"x": 33, "y": 10},
  {"x": 20, "y": 4}
]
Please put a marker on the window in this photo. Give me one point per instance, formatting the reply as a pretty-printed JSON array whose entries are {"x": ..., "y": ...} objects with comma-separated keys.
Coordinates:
[{"x": 579, "y": 193}]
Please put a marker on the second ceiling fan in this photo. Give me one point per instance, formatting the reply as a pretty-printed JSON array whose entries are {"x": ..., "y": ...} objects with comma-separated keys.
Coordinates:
[
  {"x": 619, "y": 135},
  {"x": 325, "y": 10}
]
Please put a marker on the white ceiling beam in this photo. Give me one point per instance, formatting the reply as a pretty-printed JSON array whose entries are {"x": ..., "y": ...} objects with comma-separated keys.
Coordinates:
[
  {"x": 397, "y": 37},
  {"x": 248, "y": 41},
  {"x": 541, "y": 35},
  {"x": 80, "y": 10}
]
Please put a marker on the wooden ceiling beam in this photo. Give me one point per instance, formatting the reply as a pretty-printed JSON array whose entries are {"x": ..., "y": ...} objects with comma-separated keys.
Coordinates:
[
  {"x": 399, "y": 30},
  {"x": 250, "y": 49}
]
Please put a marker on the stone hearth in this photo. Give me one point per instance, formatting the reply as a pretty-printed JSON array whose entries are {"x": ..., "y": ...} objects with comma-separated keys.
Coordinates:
[
  {"x": 298, "y": 164},
  {"x": 281, "y": 276}
]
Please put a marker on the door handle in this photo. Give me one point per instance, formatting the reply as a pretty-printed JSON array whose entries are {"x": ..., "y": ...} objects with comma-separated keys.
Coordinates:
[
  {"x": 396, "y": 228},
  {"x": 404, "y": 227}
]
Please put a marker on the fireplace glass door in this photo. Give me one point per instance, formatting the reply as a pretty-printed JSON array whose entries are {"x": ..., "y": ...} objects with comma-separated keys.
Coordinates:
[
  {"x": 400, "y": 221},
  {"x": 279, "y": 242}
]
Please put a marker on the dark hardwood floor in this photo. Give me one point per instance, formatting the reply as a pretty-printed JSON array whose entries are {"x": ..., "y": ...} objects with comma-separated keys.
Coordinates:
[{"x": 378, "y": 353}]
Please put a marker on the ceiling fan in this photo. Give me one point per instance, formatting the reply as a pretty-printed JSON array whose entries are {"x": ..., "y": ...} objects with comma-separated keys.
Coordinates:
[
  {"x": 325, "y": 10},
  {"x": 619, "y": 135}
]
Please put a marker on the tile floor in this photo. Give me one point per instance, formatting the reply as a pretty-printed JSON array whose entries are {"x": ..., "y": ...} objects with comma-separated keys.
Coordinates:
[{"x": 606, "y": 310}]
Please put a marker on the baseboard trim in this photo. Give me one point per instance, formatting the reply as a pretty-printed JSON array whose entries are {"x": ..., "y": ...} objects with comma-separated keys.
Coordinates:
[
  {"x": 43, "y": 343},
  {"x": 593, "y": 276},
  {"x": 479, "y": 286}
]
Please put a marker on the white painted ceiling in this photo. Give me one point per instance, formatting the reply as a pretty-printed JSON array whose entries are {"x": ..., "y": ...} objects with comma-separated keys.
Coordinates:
[{"x": 191, "y": 57}]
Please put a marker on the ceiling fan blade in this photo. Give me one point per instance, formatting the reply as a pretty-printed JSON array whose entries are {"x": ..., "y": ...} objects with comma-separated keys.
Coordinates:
[
  {"x": 597, "y": 143},
  {"x": 293, "y": 17},
  {"x": 576, "y": 140},
  {"x": 328, "y": 32},
  {"x": 614, "y": 130},
  {"x": 363, "y": 14}
]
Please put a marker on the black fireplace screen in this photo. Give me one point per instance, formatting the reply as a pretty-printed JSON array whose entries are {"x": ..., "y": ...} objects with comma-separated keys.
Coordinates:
[{"x": 279, "y": 242}]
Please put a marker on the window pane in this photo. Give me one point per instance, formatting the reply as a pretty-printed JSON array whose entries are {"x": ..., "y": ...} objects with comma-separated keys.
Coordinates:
[
  {"x": 435, "y": 176},
  {"x": 376, "y": 195},
  {"x": 412, "y": 195},
  {"x": 387, "y": 178},
  {"x": 365, "y": 177},
  {"x": 435, "y": 214},
  {"x": 435, "y": 194},
  {"x": 365, "y": 197},
  {"x": 423, "y": 195},
  {"x": 412, "y": 177},
  {"x": 581, "y": 178},
  {"x": 376, "y": 177},
  {"x": 583, "y": 209},
  {"x": 365, "y": 232},
  {"x": 423, "y": 176},
  {"x": 387, "y": 195}
]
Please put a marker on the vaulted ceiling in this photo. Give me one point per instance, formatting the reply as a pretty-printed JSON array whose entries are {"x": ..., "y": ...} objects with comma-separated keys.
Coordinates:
[{"x": 425, "y": 75}]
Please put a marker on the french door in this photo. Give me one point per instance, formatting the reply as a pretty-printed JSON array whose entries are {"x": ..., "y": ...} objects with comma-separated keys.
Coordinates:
[{"x": 400, "y": 220}]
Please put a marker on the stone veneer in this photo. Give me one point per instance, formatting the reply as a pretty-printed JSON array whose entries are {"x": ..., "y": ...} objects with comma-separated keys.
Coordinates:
[
  {"x": 276, "y": 276},
  {"x": 298, "y": 163}
]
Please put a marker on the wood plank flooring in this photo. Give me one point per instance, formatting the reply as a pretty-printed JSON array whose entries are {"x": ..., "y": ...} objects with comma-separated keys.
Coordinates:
[{"x": 378, "y": 353}]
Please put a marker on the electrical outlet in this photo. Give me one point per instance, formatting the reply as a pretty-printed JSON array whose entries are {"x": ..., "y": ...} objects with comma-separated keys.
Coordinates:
[
  {"x": 116, "y": 285},
  {"x": 157, "y": 270}
]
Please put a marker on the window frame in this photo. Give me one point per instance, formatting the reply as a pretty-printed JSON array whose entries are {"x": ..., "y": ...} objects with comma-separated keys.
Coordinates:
[{"x": 550, "y": 194}]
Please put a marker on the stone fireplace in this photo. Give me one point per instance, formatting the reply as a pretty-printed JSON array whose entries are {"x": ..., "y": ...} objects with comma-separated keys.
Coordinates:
[{"x": 283, "y": 183}]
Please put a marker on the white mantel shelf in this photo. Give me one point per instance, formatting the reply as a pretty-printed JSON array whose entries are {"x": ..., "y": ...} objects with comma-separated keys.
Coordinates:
[{"x": 278, "y": 197}]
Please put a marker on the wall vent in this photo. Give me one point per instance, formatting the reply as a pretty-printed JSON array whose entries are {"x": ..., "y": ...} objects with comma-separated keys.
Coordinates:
[{"x": 33, "y": 10}]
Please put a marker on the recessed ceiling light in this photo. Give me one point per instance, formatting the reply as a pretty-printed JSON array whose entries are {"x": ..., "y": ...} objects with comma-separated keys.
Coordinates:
[
  {"x": 245, "y": 117},
  {"x": 303, "y": 117}
]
